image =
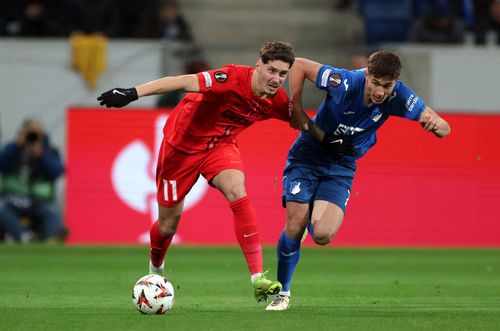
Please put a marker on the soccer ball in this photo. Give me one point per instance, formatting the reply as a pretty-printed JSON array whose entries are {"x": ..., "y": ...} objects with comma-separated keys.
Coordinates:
[{"x": 153, "y": 294}]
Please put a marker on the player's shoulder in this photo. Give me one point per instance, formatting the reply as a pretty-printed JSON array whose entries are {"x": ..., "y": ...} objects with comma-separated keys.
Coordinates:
[
  {"x": 333, "y": 77},
  {"x": 402, "y": 89},
  {"x": 237, "y": 68},
  {"x": 235, "y": 72}
]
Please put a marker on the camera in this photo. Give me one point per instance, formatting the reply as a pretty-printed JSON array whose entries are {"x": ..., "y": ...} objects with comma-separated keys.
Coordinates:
[{"x": 32, "y": 137}]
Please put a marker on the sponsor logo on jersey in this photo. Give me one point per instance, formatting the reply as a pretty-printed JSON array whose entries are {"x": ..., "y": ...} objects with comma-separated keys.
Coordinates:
[
  {"x": 220, "y": 76},
  {"x": 346, "y": 84},
  {"x": 236, "y": 118},
  {"x": 346, "y": 130},
  {"x": 335, "y": 80},
  {"x": 411, "y": 102}
]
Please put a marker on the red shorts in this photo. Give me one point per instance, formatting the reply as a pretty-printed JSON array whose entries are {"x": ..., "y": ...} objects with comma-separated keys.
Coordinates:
[{"x": 177, "y": 172}]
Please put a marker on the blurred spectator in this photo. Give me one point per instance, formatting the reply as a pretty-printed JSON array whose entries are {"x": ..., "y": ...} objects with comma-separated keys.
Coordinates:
[
  {"x": 495, "y": 21},
  {"x": 487, "y": 21},
  {"x": 438, "y": 23},
  {"x": 31, "y": 18},
  {"x": 164, "y": 21},
  {"x": 97, "y": 17},
  {"x": 357, "y": 61},
  {"x": 29, "y": 167},
  {"x": 131, "y": 12},
  {"x": 34, "y": 20},
  {"x": 342, "y": 4}
]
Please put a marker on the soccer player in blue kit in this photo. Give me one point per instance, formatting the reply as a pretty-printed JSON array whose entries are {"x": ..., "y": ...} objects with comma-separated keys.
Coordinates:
[{"x": 317, "y": 183}]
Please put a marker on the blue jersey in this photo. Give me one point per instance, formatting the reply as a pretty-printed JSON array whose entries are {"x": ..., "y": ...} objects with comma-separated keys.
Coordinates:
[{"x": 343, "y": 112}]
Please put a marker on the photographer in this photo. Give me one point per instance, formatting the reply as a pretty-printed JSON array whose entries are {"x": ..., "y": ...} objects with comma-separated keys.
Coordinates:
[{"x": 29, "y": 168}]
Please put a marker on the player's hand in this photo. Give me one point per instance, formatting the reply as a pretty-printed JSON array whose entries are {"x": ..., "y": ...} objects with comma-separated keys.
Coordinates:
[
  {"x": 432, "y": 122},
  {"x": 429, "y": 121},
  {"x": 339, "y": 146},
  {"x": 118, "y": 97}
]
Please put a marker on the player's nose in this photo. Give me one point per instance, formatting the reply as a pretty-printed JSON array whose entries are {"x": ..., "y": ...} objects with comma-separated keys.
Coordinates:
[{"x": 379, "y": 91}]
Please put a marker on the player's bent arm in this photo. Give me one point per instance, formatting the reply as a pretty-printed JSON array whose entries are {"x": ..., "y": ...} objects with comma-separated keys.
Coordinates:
[
  {"x": 302, "y": 69},
  {"x": 305, "y": 68},
  {"x": 186, "y": 83},
  {"x": 432, "y": 122}
]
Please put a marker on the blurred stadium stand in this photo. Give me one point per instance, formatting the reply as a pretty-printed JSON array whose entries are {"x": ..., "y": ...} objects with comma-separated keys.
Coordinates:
[{"x": 386, "y": 20}]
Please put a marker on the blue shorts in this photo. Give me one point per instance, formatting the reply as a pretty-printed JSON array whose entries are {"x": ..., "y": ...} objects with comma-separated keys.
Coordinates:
[{"x": 306, "y": 182}]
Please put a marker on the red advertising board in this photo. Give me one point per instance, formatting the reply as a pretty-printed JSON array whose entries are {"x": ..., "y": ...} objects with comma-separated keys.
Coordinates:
[{"x": 411, "y": 189}]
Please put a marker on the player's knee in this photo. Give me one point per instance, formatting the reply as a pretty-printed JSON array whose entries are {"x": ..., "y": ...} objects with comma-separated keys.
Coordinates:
[
  {"x": 294, "y": 230},
  {"x": 168, "y": 227},
  {"x": 323, "y": 237},
  {"x": 235, "y": 192},
  {"x": 321, "y": 240}
]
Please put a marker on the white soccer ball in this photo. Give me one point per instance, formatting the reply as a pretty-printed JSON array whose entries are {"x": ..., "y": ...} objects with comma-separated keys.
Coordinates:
[{"x": 153, "y": 294}]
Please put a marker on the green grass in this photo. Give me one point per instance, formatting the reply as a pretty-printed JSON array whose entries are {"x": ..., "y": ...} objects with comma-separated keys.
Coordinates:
[{"x": 88, "y": 288}]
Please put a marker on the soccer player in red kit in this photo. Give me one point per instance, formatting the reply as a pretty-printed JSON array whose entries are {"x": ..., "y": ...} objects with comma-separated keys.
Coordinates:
[{"x": 200, "y": 138}]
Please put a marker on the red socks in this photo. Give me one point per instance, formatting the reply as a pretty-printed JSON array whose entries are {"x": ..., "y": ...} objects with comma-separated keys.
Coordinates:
[
  {"x": 247, "y": 233},
  {"x": 158, "y": 245},
  {"x": 245, "y": 228}
]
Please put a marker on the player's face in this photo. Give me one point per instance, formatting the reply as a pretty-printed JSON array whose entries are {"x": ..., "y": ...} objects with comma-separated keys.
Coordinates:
[
  {"x": 378, "y": 89},
  {"x": 270, "y": 77}
]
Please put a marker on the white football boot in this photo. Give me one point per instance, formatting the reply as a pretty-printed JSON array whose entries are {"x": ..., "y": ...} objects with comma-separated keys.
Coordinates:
[{"x": 280, "y": 302}]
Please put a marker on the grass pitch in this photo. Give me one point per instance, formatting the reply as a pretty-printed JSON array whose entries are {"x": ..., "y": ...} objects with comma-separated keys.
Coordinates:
[{"x": 89, "y": 288}]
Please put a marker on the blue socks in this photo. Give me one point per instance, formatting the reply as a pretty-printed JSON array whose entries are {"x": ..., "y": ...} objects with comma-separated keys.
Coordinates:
[{"x": 288, "y": 257}]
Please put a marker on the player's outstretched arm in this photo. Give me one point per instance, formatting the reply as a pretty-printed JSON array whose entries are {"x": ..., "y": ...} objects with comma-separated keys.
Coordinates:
[
  {"x": 119, "y": 97},
  {"x": 186, "y": 83},
  {"x": 432, "y": 122}
]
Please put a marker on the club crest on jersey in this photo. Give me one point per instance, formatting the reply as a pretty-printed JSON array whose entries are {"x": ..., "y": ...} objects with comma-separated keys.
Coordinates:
[
  {"x": 294, "y": 187},
  {"x": 335, "y": 80},
  {"x": 220, "y": 76}
]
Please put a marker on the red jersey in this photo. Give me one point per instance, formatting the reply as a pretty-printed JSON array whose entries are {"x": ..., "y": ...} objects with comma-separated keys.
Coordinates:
[{"x": 225, "y": 106}]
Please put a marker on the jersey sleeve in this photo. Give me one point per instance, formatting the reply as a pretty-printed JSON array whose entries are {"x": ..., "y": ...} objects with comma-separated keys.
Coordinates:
[
  {"x": 406, "y": 103},
  {"x": 339, "y": 83},
  {"x": 217, "y": 80}
]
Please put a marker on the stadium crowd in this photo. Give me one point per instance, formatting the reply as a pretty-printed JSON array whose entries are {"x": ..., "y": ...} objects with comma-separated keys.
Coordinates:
[
  {"x": 110, "y": 18},
  {"x": 438, "y": 21}
]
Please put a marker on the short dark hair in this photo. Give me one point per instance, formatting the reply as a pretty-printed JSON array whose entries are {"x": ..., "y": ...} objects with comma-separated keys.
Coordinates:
[
  {"x": 277, "y": 50},
  {"x": 384, "y": 64}
]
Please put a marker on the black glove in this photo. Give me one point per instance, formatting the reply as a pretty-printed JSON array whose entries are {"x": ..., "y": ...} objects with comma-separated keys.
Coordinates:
[
  {"x": 118, "y": 97},
  {"x": 338, "y": 146}
]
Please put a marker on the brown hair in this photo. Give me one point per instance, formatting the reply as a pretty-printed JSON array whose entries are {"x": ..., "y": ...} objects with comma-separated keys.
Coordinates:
[
  {"x": 384, "y": 64},
  {"x": 277, "y": 50}
]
